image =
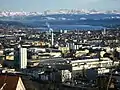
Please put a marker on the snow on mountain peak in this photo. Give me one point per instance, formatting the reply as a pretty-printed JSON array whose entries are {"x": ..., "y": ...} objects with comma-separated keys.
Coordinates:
[{"x": 61, "y": 11}]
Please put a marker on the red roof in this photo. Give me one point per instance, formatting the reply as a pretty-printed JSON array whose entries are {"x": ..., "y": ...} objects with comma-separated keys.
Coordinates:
[{"x": 11, "y": 82}]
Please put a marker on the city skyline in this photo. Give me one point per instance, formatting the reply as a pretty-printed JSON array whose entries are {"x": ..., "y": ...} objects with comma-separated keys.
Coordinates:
[{"x": 42, "y": 5}]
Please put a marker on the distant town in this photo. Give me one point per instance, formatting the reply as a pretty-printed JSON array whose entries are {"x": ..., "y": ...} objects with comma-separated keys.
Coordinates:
[{"x": 66, "y": 59}]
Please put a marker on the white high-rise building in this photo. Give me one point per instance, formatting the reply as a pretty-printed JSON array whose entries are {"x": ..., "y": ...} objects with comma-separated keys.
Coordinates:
[{"x": 23, "y": 58}]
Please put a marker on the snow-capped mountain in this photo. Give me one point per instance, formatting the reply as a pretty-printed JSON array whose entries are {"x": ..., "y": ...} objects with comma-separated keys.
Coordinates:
[
  {"x": 83, "y": 11},
  {"x": 9, "y": 13},
  {"x": 61, "y": 11}
]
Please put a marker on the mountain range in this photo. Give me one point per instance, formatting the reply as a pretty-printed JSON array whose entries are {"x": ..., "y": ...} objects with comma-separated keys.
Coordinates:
[
  {"x": 61, "y": 17},
  {"x": 61, "y": 11}
]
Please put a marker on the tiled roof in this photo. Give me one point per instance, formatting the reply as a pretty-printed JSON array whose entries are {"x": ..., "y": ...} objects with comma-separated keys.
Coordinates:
[{"x": 11, "y": 82}]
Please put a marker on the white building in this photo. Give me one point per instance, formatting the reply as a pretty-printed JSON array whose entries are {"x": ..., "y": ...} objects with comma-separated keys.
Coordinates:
[
  {"x": 66, "y": 75},
  {"x": 23, "y": 58},
  {"x": 78, "y": 65}
]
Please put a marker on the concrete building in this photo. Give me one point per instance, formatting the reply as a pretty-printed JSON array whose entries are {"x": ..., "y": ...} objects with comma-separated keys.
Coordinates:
[
  {"x": 66, "y": 75},
  {"x": 23, "y": 58},
  {"x": 78, "y": 65}
]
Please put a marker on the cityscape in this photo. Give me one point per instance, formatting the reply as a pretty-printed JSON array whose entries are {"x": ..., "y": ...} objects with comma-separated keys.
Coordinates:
[{"x": 60, "y": 48}]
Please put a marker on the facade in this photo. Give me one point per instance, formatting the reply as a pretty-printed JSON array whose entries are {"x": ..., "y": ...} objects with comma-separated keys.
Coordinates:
[
  {"x": 66, "y": 75},
  {"x": 55, "y": 76},
  {"x": 23, "y": 58},
  {"x": 78, "y": 65}
]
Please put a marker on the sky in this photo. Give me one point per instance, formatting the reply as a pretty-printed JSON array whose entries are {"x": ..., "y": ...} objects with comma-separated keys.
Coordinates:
[{"x": 42, "y": 5}]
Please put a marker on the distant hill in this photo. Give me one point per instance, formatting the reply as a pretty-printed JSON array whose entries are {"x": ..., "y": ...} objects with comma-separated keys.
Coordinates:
[
  {"x": 107, "y": 20},
  {"x": 62, "y": 17}
]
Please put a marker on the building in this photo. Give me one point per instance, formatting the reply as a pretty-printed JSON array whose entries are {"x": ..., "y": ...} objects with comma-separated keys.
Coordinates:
[
  {"x": 23, "y": 58},
  {"x": 66, "y": 75},
  {"x": 101, "y": 65},
  {"x": 55, "y": 75}
]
